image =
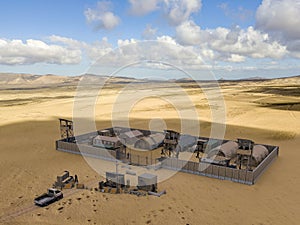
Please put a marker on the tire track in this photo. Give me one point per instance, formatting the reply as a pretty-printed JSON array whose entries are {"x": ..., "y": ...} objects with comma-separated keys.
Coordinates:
[
  {"x": 291, "y": 112},
  {"x": 32, "y": 207},
  {"x": 23, "y": 210}
]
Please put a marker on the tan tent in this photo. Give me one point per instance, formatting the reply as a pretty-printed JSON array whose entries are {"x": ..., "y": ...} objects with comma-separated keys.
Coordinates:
[
  {"x": 258, "y": 154},
  {"x": 227, "y": 150},
  {"x": 150, "y": 142}
]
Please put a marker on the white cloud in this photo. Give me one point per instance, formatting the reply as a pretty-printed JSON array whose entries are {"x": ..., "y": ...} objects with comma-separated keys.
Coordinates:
[
  {"x": 178, "y": 11},
  {"x": 70, "y": 42},
  {"x": 126, "y": 42},
  {"x": 236, "y": 58},
  {"x": 167, "y": 39},
  {"x": 93, "y": 50},
  {"x": 207, "y": 54},
  {"x": 234, "y": 43},
  {"x": 249, "y": 42},
  {"x": 188, "y": 33},
  {"x": 149, "y": 32},
  {"x": 17, "y": 52},
  {"x": 98, "y": 49},
  {"x": 163, "y": 49},
  {"x": 280, "y": 17},
  {"x": 143, "y": 7},
  {"x": 102, "y": 17}
]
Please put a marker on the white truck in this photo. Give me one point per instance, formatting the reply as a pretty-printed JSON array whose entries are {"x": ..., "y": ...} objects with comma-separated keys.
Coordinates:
[{"x": 51, "y": 196}]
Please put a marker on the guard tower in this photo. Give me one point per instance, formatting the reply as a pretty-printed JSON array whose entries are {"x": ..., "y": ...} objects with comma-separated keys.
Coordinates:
[
  {"x": 201, "y": 144},
  {"x": 170, "y": 142},
  {"x": 244, "y": 153},
  {"x": 66, "y": 129}
]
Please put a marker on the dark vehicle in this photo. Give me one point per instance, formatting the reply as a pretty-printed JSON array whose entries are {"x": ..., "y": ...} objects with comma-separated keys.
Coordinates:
[{"x": 47, "y": 198}]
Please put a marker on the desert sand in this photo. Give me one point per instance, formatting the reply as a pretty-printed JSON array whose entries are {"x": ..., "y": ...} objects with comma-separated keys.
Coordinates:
[{"x": 265, "y": 111}]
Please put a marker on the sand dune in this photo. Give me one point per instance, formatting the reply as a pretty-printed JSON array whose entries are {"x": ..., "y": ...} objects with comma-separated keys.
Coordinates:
[
  {"x": 33, "y": 164},
  {"x": 29, "y": 162}
]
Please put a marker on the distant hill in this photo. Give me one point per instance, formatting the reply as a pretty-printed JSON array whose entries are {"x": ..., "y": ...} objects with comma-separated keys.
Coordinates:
[
  {"x": 255, "y": 78},
  {"x": 20, "y": 80},
  {"x": 29, "y": 79},
  {"x": 258, "y": 78},
  {"x": 16, "y": 78}
]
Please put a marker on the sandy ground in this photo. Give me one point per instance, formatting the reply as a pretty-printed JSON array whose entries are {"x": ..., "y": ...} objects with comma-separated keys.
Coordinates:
[{"x": 29, "y": 163}]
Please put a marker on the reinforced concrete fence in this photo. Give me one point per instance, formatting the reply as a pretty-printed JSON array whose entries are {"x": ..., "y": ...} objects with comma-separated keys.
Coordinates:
[{"x": 199, "y": 168}]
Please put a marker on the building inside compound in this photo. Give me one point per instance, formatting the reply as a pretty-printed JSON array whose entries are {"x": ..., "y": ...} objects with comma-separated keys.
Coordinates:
[{"x": 239, "y": 154}]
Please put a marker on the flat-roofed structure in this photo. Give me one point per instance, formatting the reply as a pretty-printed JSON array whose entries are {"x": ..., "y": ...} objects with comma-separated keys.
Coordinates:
[
  {"x": 147, "y": 182},
  {"x": 107, "y": 142}
]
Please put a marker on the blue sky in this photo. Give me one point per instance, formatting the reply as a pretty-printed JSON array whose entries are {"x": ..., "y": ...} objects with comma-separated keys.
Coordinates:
[{"x": 235, "y": 39}]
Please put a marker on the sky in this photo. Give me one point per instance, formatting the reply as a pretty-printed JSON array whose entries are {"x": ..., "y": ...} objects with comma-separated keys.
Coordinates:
[{"x": 231, "y": 39}]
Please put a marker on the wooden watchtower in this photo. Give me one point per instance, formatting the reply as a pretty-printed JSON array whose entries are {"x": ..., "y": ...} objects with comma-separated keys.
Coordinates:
[
  {"x": 66, "y": 129},
  {"x": 170, "y": 142},
  {"x": 244, "y": 152},
  {"x": 201, "y": 144}
]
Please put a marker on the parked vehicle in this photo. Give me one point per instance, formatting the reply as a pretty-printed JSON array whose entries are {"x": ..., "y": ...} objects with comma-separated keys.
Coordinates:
[{"x": 51, "y": 196}]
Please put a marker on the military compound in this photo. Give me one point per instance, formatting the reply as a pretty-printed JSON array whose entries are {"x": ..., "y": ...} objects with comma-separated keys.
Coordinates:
[{"x": 240, "y": 161}]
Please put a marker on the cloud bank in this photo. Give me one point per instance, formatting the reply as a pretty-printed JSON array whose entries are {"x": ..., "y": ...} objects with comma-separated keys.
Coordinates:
[
  {"x": 275, "y": 35},
  {"x": 102, "y": 17},
  {"x": 17, "y": 52}
]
